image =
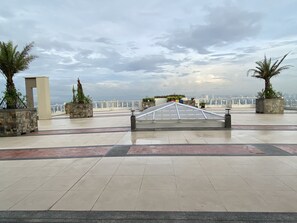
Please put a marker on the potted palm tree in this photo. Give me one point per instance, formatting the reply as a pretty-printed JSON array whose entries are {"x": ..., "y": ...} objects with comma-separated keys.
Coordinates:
[
  {"x": 269, "y": 101},
  {"x": 15, "y": 118}
]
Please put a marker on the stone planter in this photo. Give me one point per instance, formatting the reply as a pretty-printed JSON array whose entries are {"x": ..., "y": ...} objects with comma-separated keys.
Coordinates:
[
  {"x": 270, "y": 106},
  {"x": 15, "y": 122},
  {"x": 148, "y": 104},
  {"x": 77, "y": 110}
]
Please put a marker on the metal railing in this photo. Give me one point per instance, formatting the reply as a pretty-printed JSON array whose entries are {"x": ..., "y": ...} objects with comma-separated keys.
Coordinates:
[
  {"x": 234, "y": 102},
  {"x": 104, "y": 105}
]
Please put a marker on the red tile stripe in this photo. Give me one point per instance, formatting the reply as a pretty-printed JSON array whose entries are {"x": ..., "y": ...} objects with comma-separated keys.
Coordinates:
[{"x": 54, "y": 152}]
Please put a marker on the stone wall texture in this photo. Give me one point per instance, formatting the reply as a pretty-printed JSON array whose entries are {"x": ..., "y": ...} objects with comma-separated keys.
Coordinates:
[
  {"x": 270, "y": 106},
  {"x": 77, "y": 110},
  {"x": 15, "y": 122}
]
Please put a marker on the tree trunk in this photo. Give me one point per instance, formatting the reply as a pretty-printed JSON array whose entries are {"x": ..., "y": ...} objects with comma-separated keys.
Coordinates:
[
  {"x": 11, "y": 94},
  {"x": 267, "y": 85}
]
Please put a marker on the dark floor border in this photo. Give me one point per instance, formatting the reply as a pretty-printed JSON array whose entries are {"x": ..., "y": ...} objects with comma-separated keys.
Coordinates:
[{"x": 145, "y": 216}]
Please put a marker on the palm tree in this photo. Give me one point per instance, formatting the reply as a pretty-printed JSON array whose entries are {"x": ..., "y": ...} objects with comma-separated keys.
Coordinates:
[
  {"x": 266, "y": 70},
  {"x": 13, "y": 61}
]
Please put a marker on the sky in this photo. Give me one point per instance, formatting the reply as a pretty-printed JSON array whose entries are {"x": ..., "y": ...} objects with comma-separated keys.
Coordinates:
[{"x": 130, "y": 49}]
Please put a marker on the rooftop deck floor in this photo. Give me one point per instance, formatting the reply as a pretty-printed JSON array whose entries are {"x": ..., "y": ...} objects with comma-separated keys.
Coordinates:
[{"x": 98, "y": 164}]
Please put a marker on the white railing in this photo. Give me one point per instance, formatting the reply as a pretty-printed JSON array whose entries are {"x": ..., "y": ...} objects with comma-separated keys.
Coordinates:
[
  {"x": 234, "y": 102},
  {"x": 117, "y": 104},
  {"x": 104, "y": 105}
]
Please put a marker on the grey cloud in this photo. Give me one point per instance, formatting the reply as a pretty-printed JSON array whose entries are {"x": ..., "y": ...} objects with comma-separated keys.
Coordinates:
[
  {"x": 184, "y": 74},
  {"x": 104, "y": 40},
  {"x": 248, "y": 49},
  {"x": 223, "y": 54},
  {"x": 115, "y": 61},
  {"x": 224, "y": 25},
  {"x": 47, "y": 44},
  {"x": 150, "y": 63}
]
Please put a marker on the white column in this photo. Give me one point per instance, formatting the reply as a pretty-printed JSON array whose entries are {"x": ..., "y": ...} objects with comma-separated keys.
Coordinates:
[{"x": 43, "y": 97}]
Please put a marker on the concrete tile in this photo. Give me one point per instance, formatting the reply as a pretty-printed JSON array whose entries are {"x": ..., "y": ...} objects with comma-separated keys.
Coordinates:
[
  {"x": 237, "y": 160},
  {"x": 188, "y": 170},
  {"x": 86, "y": 162},
  {"x": 28, "y": 183},
  {"x": 200, "y": 201},
  {"x": 290, "y": 181},
  {"x": 38, "y": 200},
  {"x": 89, "y": 182},
  {"x": 46, "y": 171},
  {"x": 118, "y": 200},
  {"x": 158, "y": 183},
  {"x": 124, "y": 182},
  {"x": 229, "y": 183},
  {"x": 74, "y": 171},
  {"x": 158, "y": 170},
  {"x": 249, "y": 201},
  {"x": 61, "y": 162},
  {"x": 130, "y": 170},
  {"x": 184, "y": 160},
  {"x": 193, "y": 183},
  {"x": 6, "y": 181},
  {"x": 157, "y": 200},
  {"x": 77, "y": 200},
  {"x": 104, "y": 169},
  {"x": 158, "y": 160},
  {"x": 63, "y": 183},
  {"x": 110, "y": 160},
  {"x": 218, "y": 170},
  {"x": 8, "y": 198},
  {"x": 280, "y": 201},
  {"x": 266, "y": 183},
  {"x": 134, "y": 161}
]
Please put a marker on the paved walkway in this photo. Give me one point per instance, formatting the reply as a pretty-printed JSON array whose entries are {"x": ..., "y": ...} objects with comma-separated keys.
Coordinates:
[{"x": 251, "y": 168}]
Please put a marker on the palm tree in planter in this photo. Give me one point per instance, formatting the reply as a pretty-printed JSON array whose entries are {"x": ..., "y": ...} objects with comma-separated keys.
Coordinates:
[
  {"x": 269, "y": 101},
  {"x": 13, "y": 61}
]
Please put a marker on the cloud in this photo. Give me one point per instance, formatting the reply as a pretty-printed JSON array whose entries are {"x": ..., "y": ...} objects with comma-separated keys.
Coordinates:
[
  {"x": 151, "y": 63},
  {"x": 104, "y": 40},
  {"x": 224, "y": 25}
]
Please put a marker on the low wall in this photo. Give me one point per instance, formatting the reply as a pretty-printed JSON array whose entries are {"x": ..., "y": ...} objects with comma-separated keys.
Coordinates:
[
  {"x": 15, "y": 122},
  {"x": 77, "y": 110}
]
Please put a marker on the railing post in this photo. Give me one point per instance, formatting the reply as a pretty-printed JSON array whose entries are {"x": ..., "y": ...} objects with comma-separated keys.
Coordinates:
[
  {"x": 133, "y": 121},
  {"x": 227, "y": 119}
]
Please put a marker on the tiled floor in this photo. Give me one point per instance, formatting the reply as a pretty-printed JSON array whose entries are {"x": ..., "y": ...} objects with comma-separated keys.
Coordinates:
[
  {"x": 263, "y": 181},
  {"x": 162, "y": 183}
]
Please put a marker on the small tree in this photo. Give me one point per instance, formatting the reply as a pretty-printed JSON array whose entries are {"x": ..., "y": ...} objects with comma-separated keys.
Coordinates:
[
  {"x": 266, "y": 70},
  {"x": 13, "y": 61},
  {"x": 78, "y": 95}
]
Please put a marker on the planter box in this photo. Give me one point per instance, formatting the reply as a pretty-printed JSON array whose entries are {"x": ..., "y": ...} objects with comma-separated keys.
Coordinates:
[
  {"x": 270, "y": 106},
  {"x": 146, "y": 105},
  {"x": 77, "y": 110},
  {"x": 15, "y": 122}
]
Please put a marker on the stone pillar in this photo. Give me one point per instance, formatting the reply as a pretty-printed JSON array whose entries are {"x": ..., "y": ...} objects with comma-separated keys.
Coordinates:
[{"x": 43, "y": 95}]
